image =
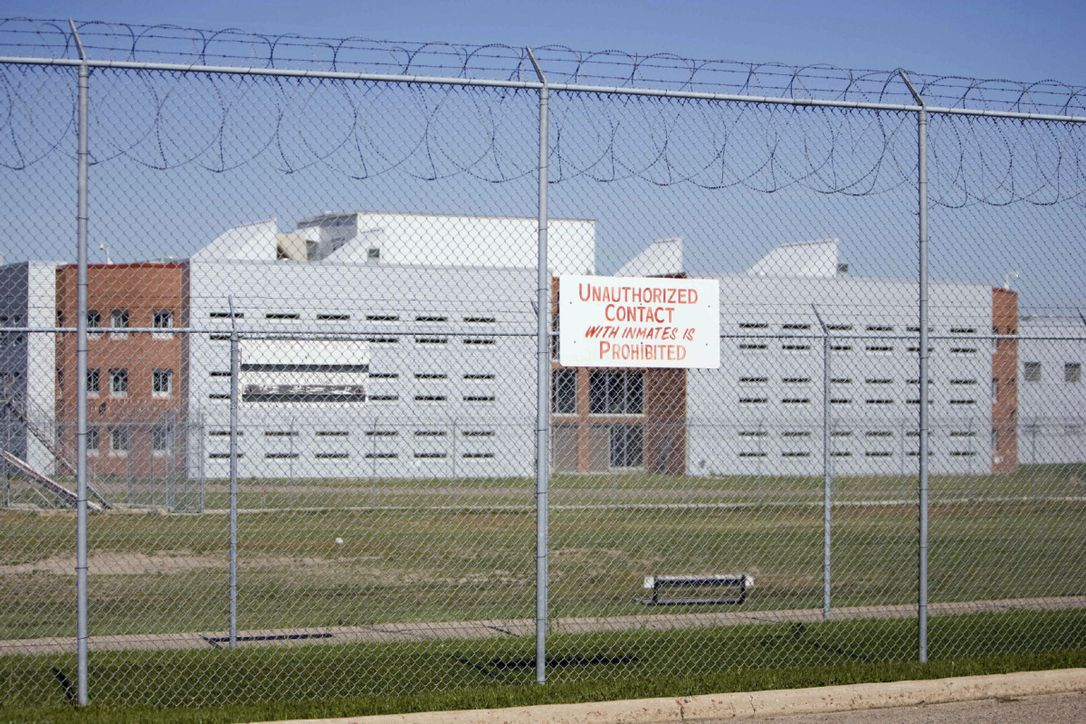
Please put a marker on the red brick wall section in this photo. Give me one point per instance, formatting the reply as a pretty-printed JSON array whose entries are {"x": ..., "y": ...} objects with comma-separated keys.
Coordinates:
[
  {"x": 141, "y": 289},
  {"x": 1005, "y": 375}
]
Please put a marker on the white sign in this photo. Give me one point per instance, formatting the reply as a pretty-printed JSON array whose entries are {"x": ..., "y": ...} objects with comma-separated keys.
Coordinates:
[
  {"x": 299, "y": 371},
  {"x": 638, "y": 322}
]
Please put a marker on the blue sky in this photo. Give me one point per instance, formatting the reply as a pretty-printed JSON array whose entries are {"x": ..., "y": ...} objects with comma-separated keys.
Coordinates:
[
  {"x": 1035, "y": 40},
  {"x": 144, "y": 213}
]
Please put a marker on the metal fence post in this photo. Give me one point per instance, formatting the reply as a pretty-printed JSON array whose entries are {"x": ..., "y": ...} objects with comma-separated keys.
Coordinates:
[
  {"x": 543, "y": 377},
  {"x": 922, "y": 225},
  {"x": 234, "y": 368},
  {"x": 81, "y": 382},
  {"x": 827, "y": 470}
]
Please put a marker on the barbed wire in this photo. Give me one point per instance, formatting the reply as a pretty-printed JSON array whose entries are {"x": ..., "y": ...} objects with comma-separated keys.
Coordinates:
[
  {"x": 497, "y": 61},
  {"x": 222, "y": 122}
]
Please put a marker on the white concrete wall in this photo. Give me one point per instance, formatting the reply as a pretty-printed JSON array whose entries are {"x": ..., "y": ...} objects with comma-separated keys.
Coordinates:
[
  {"x": 28, "y": 360},
  {"x": 436, "y": 240},
  {"x": 1052, "y": 410},
  {"x": 465, "y": 335},
  {"x": 761, "y": 412}
]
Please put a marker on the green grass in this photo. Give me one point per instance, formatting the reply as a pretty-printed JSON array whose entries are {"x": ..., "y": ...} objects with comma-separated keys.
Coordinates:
[
  {"x": 382, "y": 678},
  {"x": 407, "y": 559},
  {"x": 422, "y": 564},
  {"x": 640, "y": 488}
]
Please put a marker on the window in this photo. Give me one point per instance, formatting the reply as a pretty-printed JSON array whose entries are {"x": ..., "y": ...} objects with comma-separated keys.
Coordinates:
[
  {"x": 118, "y": 319},
  {"x": 120, "y": 440},
  {"x": 1032, "y": 371},
  {"x": 94, "y": 381},
  {"x": 281, "y": 315},
  {"x": 382, "y": 317},
  {"x": 1072, "y": 372},
  {"x": 162, "y": 383},
  {"x": 118, "y": 382},
  {"x": 162, "y": 319},
  {"x": 627, "y": 446},
  {"x": 564, "y": 392},
  {"x": 94, "y": 440},
  {"x": 160, "y": 440},
  {"x": 333, "y": 317},
  {"x": 94, "y": 321},
  {"x": 616, "y": 392}
]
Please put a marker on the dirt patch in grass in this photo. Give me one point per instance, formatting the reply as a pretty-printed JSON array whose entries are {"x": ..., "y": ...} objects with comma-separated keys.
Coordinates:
[{"x": 139, "y": 564}]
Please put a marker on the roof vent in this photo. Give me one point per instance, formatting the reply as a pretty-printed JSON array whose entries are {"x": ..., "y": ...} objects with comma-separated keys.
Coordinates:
[{"x": 842, "y": 269}]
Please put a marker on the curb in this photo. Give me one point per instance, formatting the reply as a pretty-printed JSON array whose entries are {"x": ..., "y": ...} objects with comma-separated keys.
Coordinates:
[{"x": 757, "y": 704}]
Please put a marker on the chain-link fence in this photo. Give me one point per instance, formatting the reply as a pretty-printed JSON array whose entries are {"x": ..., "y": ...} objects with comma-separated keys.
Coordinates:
[{"x": 275, "y": 430}]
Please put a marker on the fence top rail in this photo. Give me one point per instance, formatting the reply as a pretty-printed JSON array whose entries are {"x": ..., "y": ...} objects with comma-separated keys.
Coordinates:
[
  {"x": 677, "y": 94},
  {"x": 169, "y": 48}
]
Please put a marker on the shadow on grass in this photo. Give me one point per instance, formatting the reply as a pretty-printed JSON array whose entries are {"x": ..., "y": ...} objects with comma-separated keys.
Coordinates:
[{"x": 256, "y": 683}]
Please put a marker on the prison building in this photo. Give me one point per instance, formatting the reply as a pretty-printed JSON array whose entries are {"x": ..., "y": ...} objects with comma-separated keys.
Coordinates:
[
  {"x": 27, "y": 362},
  {"x": 761, "y": 413},
  {"x": 357, "y": 363},
  {"x": 1051, "y": 390},
  {"x": 442, "y": 240},
  {"x": 136, "y": 381}
]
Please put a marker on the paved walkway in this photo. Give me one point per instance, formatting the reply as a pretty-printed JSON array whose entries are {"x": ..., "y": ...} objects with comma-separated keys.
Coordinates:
[
  {"x": 1066, "y": 707},
  {"x": 1041, "y": 696},
  {"x": 464, "y": 630}
]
